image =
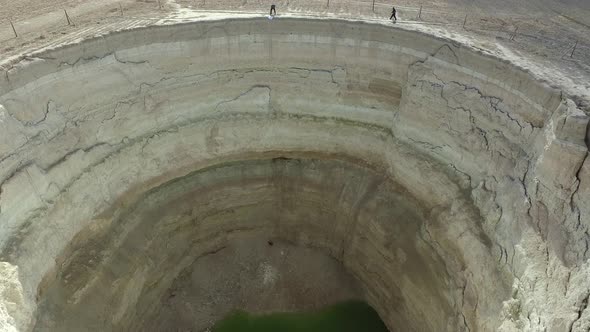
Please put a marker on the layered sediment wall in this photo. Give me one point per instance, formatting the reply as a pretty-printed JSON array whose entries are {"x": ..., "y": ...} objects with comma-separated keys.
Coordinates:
[{"x": 450, "y": 184}]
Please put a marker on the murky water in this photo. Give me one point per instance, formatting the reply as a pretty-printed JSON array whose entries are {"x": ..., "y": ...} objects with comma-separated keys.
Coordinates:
[{"x": 354, "y": 316}]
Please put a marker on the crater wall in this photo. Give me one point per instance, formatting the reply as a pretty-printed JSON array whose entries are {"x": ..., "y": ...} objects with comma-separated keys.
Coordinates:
[{"x": 449, "y": 183}]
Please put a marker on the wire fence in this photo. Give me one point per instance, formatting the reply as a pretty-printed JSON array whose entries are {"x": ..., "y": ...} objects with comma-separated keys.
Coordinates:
[{"x": 550, "y": 42}]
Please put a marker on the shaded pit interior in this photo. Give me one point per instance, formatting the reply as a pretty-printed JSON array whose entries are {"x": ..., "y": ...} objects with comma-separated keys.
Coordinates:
[{"x": 204, "y": 244}]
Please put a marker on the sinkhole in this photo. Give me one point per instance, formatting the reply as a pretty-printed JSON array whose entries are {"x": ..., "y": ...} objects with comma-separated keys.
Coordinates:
[{"x": 168, "y": 177}]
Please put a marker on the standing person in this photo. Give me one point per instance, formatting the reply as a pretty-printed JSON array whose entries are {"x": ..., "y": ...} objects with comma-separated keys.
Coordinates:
[
  {"x": 273, "y": 10},
  {"x": 393, "y": 11}
]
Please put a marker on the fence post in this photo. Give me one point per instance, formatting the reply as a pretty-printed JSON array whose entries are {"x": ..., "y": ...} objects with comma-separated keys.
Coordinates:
[
  {"x": 574, "y": 49},
  {"x": 121, "y": 7},
  {"x": 67, "y": 17},
  {"x": 328, "y": 4},
  {"x": 373, "y": 6},
  {"x": 159, "y": 5},
  {"x": 13, "y": 29},
  {"x": 465, "y": 22},
  {"x": 420, "y": 13}
]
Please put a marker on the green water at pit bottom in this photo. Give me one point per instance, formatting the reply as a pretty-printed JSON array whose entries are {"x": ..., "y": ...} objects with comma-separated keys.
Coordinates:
[{"x": 352, "y": 316}]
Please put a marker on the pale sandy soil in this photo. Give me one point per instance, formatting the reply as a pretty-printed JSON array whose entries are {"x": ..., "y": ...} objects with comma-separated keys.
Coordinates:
[{"x": 546, "y": 30}]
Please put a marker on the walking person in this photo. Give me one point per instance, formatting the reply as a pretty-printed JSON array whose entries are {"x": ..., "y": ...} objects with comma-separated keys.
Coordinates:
[
  {"x": 393, "y": 12},
  {"x": 273, "y": 10}
]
